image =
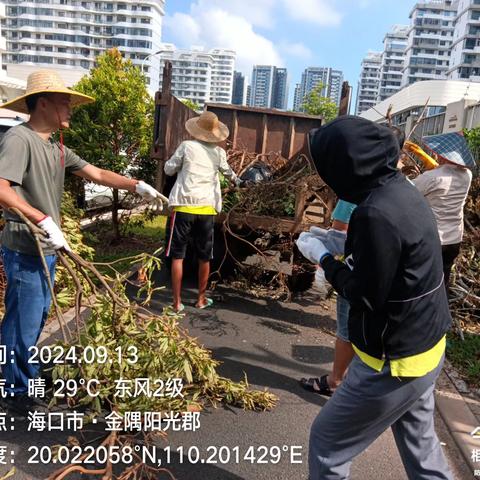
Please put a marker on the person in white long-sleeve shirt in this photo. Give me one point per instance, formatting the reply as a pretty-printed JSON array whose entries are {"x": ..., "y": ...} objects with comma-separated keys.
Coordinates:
[
  {"x": 195, "y": 199},
  {"x": 446, "y": 189}
]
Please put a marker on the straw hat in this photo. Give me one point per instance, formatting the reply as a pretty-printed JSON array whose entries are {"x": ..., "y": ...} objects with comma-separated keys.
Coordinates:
[
  {"x": 207, "y": 128},
  {"x": 48, "y": 81}
]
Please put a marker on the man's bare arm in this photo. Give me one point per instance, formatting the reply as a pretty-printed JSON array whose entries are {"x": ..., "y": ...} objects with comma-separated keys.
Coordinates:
[
  {"x": 9, "y": 198},
  {"x": 107, "y": 178}
]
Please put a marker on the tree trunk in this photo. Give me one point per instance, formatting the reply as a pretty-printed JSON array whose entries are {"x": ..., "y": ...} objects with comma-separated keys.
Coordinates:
[{"x": 115, "y": 206}]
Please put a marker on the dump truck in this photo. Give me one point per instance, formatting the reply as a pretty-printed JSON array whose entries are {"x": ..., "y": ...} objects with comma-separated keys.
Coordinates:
[{"x": 260, "y": 131}]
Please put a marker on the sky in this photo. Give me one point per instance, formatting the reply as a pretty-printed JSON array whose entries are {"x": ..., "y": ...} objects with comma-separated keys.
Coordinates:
[{"x": 289, "y": 33}]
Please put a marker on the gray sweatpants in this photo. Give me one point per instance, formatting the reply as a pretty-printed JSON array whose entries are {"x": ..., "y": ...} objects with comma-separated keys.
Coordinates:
[{"x": 362, "y": 408}]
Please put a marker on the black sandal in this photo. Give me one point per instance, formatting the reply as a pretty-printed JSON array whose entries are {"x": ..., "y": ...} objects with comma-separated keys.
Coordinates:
[{"x": 317, "y": 385}]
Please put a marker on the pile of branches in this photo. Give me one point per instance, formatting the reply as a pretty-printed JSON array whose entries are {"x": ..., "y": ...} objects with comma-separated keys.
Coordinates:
[
  {"x": 163, "y": 350},
  {"x": 275, "y": 197},
  {"x": 291, "y": 187},
  {"x": 465, "y": 288},
  {"x": 241, "y": 160}
]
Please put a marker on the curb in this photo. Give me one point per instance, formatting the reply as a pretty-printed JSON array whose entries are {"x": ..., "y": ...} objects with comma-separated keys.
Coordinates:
[{"x": 459, "y": 420}]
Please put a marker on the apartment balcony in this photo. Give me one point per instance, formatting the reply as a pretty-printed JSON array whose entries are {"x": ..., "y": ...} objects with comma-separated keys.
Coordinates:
[
  {"x": 394, "y": 72},
  {"x": 427, "y": 76},
  {"x": 472, "y": 63},
  {"x": 3, "y": 44}
]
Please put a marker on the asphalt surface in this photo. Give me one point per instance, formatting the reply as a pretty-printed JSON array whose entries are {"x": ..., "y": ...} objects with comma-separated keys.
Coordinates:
[{"x": 274, "y": 344}]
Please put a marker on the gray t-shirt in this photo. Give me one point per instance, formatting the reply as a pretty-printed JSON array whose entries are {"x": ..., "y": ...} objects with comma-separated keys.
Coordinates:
[{"x": 34, "y": 168}]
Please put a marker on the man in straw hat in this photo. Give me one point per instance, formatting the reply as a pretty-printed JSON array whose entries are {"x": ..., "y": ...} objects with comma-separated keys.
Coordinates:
[
  {"x": 196, "y": 198},
  {"x": 32, "y": 173}
]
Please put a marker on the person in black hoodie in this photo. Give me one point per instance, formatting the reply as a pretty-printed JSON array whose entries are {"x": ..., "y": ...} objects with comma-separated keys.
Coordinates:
[{"x": 393, "y": 278}]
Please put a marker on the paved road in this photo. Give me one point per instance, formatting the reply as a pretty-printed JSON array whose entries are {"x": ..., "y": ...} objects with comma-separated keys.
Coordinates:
[{"x": 274, "y": 344}]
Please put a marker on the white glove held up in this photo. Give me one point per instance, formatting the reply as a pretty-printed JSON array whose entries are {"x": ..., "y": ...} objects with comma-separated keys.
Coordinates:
[
  {"x": 55, "y": 238},
  {"x": 321, "y": 233},
  {"x": 311, "y": 247}
]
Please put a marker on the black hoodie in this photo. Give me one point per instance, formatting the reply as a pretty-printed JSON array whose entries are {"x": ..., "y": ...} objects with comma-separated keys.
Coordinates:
[{"x": 394, "y": 277}]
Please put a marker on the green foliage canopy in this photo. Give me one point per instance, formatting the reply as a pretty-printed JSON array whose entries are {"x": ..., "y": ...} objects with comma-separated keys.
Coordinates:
[
  {"x": 191, "y": 104},
  {"x": 315, "y": 104},
  {"x": 473, "y": 140},
  {"x": 116, "y": 130}
]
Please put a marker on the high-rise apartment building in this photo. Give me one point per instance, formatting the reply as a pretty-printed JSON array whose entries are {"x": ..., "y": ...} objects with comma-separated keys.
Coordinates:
[
  {"x": 249, "y": 94},
  {"x": 297, "y": 98},
  {"x": 68, "y": 35},
  {"x": 430, "y": 37},
  {"x": 280, "y": 89},
  {"x": 200, "y": 76},
  {"x": 330, "y": 79},
  {"x": 369, "y": 83},
  {"x": 269, "y": 88},
  {"x": 239, "y": 90},
  {"x": 222, "y": 75},
  {"x": 465, "y": 49},
  {"x": 393, "y": 56},
  {"x": 262, "y": 86},
  {"x": 9, "y": 87}
]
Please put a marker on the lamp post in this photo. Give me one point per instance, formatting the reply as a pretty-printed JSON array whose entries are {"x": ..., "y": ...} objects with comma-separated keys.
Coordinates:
[{"x": 147, "y": 57}]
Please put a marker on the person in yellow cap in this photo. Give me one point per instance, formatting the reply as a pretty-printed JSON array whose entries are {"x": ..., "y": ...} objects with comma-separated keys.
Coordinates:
[
  {"x": 195, "y": 199},
  {"x": 32, "y": 172}
]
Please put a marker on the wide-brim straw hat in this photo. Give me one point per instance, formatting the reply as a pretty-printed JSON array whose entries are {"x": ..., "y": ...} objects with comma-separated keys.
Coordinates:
[
  {"x": 46, "y": 81},
  {"x": 207, "y": 128}
]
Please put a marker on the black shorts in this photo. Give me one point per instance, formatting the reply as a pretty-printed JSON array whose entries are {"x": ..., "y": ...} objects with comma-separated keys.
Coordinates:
[{"x": 186, "y": 226}]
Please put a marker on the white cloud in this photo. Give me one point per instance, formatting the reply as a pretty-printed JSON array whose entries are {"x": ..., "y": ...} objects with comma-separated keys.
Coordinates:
[
  {"x": 318, "y": 12},
  {"x": 184, "y": 26},
  {"x": 232, "y": 24},
  {"x": 298, "y": 50},
  {"x": 256, "y": 12},
  {"x": 213, "y": 26}
]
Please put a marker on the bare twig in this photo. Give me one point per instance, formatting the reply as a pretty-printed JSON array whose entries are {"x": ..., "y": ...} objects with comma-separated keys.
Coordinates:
[{"x": 38, "y": 233}]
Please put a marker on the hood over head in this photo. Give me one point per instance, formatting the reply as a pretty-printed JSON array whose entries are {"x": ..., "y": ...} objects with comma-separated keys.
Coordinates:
[{"x": 354, "y": 156}]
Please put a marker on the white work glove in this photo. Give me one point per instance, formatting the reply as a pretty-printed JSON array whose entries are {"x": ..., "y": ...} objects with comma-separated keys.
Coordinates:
[
  {"x": 55, "y": 238},
  {"x": 334, "y": 240},
  {"x": 321, "y": 233},
  {"x": 147, "y": 192},
  {"x": 311, "y": 247}
]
